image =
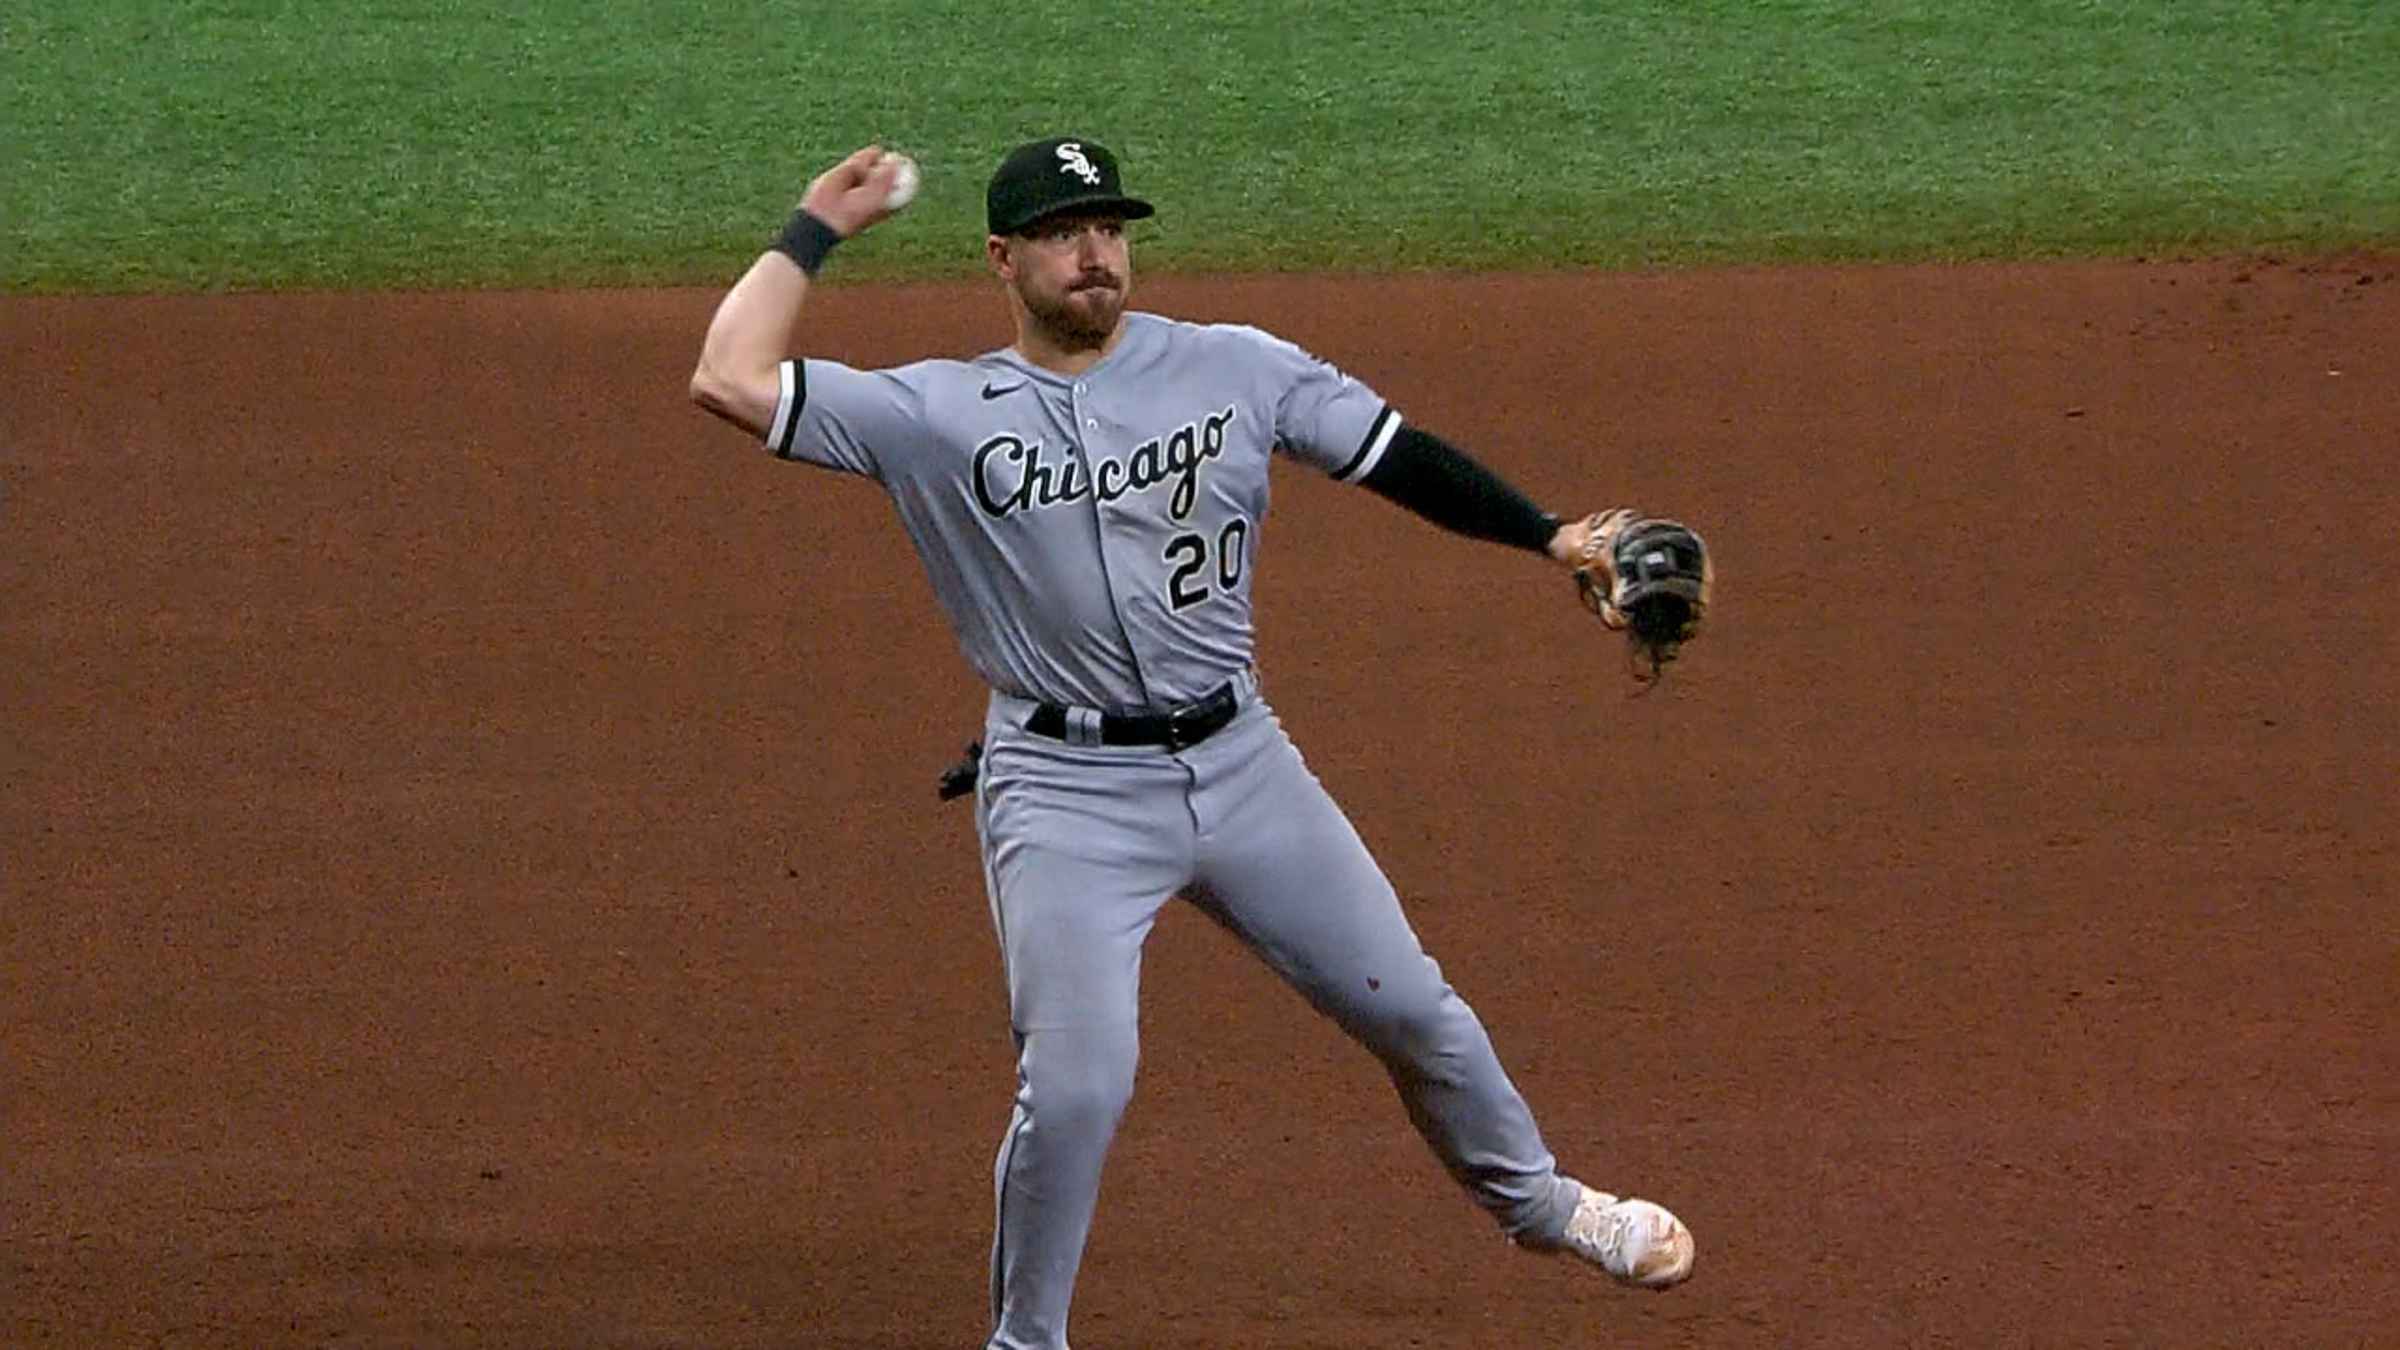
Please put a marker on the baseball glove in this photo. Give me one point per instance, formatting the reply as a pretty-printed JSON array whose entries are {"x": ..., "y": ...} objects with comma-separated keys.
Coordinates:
[{"x": 1649, "y": 579}]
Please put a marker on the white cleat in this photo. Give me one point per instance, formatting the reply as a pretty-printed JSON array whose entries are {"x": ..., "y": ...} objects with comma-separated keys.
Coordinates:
[{"x": 1636, "y": 1242}]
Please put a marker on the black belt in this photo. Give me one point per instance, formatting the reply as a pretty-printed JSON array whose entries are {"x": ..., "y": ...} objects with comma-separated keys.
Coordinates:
[{"x": 1176, "y": 730}]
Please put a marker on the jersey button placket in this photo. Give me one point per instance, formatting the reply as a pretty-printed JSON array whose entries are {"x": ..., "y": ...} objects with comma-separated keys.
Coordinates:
[{"x": 1085, "y": 430}]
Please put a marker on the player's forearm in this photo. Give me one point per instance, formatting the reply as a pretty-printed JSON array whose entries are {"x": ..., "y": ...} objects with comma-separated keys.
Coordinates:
[
  {"x": 750, "y": 335},
  {"x": 1436, "y": 480}
]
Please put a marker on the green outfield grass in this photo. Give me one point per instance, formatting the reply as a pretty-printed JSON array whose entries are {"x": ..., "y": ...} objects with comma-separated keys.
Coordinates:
[{"x": 151, "y": 144}]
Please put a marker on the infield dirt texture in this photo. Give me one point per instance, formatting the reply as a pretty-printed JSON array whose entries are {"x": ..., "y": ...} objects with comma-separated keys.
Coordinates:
[
  {"x": 470, "y": 873},
  {"x": 474, "y": 876}
]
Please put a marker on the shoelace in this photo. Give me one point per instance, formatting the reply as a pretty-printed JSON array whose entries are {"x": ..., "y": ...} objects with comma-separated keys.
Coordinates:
[{"x": 1609, "y": 1239}]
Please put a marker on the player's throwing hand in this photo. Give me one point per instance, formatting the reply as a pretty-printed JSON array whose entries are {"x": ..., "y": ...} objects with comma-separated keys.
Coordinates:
[{"x": 860, "y": 192}]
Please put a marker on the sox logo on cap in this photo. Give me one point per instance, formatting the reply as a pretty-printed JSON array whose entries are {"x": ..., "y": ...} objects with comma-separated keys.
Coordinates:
[{"x": 1076, "y": 163}]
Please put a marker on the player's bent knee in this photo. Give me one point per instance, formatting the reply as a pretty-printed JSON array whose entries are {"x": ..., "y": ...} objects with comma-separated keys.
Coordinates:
[
  {"x": 1078, "y": 1081},
  {"x": 1080, "y": 1106}
]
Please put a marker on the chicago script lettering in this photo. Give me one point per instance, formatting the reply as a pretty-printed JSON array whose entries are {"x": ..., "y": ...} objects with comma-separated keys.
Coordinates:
[{"x": 1013, "y": 474}]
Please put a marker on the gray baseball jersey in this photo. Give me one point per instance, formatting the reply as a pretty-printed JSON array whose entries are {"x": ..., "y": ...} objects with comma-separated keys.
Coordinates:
[{"x": 1091, "y": 536}]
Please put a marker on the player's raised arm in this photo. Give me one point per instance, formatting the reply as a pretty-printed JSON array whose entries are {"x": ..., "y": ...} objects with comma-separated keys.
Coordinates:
[{"x": 751, "y": 334}]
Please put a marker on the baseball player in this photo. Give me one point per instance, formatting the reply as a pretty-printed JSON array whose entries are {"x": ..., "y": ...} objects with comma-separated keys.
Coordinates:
[{"x": 1087, "y": 502}]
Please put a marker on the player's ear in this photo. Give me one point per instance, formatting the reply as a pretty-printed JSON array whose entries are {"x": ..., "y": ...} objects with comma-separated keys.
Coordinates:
[{"x": 995, "y": 253}]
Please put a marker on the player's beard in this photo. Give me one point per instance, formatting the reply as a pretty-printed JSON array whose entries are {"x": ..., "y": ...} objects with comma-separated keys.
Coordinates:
[{"x": 1082, "y": 316}]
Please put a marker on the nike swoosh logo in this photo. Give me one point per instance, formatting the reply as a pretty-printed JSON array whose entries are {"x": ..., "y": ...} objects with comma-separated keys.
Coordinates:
[{"x": 990, "y": 393}]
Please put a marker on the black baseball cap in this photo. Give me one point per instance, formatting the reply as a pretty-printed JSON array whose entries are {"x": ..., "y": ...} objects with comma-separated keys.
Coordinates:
[{"x": 1063, "y": 173}]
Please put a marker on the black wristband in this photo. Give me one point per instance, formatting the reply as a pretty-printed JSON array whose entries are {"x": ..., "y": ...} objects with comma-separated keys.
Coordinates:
[{"x": 806, "y": 240}]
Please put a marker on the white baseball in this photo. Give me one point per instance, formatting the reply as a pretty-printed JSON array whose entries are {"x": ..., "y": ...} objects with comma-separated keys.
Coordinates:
[{"x": 904, "y": 182}]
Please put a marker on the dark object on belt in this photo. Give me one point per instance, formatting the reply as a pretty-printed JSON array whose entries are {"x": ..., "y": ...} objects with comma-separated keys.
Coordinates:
[
  {"x": 1180, "y": 729},
  {"x": 959, "y": 779}
]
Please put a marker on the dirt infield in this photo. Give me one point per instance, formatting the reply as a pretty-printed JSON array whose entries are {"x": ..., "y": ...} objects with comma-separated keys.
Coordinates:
[{"x": 472, "y": 874}]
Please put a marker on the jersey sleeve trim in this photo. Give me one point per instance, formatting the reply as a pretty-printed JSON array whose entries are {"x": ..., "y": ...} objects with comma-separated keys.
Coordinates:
[
  {"x": 794, "y": 396},
  {"x": 1370, "y": 450}
]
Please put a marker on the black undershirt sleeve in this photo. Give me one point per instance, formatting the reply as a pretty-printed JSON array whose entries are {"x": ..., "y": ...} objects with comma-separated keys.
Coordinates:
[{"x": 1436, "y": 480}]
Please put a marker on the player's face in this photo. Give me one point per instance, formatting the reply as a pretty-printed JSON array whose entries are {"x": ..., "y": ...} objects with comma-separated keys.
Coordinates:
[{"x": 1072, "y": 272}]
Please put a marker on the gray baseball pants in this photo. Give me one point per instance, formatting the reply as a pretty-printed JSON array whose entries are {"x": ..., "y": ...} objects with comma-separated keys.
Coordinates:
[{"x": 1082, "y": 846}]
